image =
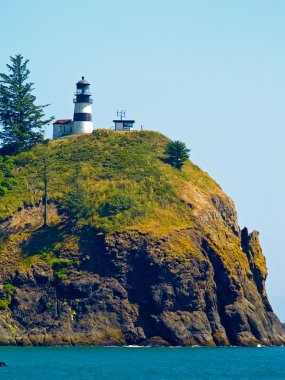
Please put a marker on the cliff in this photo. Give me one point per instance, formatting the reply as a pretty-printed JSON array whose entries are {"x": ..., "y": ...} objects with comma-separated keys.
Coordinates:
[{"x": 135, "y": 252}]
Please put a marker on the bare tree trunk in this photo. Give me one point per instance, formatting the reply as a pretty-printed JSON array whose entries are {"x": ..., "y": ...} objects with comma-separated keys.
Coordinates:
[
  {"x": 45, "y": 202},
  {"x": 45, "y": 177}
]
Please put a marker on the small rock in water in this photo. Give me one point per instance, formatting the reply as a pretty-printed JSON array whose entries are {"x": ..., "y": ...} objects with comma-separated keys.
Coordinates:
[{"x": 2, "y": 364}]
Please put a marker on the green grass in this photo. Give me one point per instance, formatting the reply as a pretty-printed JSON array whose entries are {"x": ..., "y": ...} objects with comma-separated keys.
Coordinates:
[
  {"x": 105, "y": 182},
  {"x": 108, "y": 180}
]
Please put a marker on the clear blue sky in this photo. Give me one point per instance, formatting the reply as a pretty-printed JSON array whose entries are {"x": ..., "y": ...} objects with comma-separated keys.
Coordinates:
[{"x": 209, "y": 73}]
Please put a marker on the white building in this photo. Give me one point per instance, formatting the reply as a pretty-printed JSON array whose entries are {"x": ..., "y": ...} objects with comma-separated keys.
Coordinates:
[
  {"x": 122, "y": 124},
  {"x": 62, "y": 127}
]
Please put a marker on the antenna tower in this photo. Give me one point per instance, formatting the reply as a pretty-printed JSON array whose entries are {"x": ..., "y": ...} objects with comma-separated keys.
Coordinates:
[{"x": 121, "y": 114}]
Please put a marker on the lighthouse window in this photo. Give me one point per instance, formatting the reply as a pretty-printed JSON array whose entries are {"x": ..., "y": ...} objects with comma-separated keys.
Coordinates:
[{"x": 82, "y": 91}]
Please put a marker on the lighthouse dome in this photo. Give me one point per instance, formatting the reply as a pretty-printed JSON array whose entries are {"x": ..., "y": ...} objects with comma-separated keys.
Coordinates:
[{"x": 83, "y": 82}]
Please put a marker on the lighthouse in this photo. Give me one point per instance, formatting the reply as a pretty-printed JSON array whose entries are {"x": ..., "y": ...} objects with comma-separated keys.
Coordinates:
[{"x": 82, "y": 119}]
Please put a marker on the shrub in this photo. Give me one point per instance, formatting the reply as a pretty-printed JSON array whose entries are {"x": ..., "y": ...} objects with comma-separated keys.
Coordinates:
[
  {"x": 115, "y": 204},
  {"x": 25, "y": 158},
  {"x": 4, "y": 304},
  {"x": 8, "y": 288},
  {"x": 60, "y": 267},
  {"x": 61, "y": 275},
  {"x": 3, "y": 190},
  {"x": 99, "y": 133},
  {"x": 60, "y": 264},
  {"x": 49, "y": 304}
]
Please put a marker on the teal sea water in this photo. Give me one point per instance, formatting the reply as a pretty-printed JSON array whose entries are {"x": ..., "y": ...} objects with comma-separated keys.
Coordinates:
[{"x": 87, "y": 363}]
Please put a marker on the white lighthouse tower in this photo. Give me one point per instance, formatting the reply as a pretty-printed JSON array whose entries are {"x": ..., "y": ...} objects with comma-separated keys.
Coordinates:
[{"x": 82, "y": 119}]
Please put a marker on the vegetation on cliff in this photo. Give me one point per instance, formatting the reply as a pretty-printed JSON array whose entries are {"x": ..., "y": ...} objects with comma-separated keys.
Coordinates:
[
  {"x": 110, "y": 180},
  {"x": 135, "y": 251},
  {"x": 115, "y": 181}
]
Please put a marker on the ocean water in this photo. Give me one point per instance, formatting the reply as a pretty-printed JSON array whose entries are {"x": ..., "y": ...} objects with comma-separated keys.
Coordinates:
[{"x": 87, "y": 363}]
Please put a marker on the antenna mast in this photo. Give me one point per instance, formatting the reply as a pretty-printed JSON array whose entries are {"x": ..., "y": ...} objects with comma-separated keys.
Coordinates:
[{"x": 121, "y": 114}]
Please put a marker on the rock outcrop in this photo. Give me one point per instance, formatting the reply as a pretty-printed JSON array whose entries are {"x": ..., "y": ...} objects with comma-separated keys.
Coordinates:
[
  {"x": 130, "y": 288},
  {"x": 169, "y": 266}
]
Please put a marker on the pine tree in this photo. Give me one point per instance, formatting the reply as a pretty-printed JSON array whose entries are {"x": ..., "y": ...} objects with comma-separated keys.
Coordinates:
[
  {"x": 176, "y": 154},
  {"x": 21, "y": 120}
]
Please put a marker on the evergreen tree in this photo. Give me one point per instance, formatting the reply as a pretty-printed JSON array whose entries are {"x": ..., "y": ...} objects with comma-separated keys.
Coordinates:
[
  {"x": 21, "y": 120},
  {"x": 176, "y": 154}
]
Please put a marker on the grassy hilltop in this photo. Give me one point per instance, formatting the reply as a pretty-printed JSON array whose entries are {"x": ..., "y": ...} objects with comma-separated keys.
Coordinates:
[
  {"x": 113, "y": 182},
  {"x": 110, "y": 180}
]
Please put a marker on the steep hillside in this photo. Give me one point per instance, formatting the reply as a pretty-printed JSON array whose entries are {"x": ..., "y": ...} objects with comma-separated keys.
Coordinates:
[{"x": 135, "y": 252}]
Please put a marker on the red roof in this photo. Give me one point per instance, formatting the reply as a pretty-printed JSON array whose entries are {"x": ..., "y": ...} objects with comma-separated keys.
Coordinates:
[{"x": 62, "y": 121}]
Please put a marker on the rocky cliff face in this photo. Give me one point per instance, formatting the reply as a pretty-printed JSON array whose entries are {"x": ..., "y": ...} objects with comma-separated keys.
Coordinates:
[
  {"x": 184, "y": 288},
  {"x": 136, "y": 252}
]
